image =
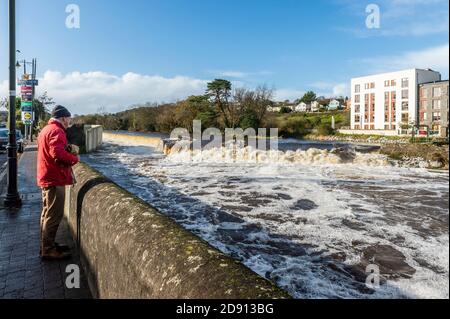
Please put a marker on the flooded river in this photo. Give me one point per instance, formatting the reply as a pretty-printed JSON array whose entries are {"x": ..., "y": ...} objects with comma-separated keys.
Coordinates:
[{"x": 310, "y": 222}]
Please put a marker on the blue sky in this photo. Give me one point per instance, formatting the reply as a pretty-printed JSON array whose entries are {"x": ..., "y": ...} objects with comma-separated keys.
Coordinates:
[{"x": 128, "y": 52}]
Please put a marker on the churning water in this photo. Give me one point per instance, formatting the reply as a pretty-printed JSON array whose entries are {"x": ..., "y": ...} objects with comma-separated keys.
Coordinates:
[{"x": 310, "y": 220}]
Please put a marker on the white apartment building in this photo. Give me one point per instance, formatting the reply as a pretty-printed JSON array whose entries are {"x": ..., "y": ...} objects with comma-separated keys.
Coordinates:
[{"x": 389, "y": 101}]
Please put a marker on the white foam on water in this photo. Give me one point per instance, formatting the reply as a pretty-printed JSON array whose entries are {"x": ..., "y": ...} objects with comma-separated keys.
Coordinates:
[{"x": 290, "y": 211}]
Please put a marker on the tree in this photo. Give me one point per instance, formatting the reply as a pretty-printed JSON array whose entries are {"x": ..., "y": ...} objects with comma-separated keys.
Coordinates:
[
  {"x": 309, "y": 97},
  {"x": 252, "y": 105},
  {"x": 220, "y": 91}
]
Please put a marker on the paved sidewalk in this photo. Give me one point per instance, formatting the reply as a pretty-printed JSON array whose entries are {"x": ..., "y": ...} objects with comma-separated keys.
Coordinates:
[{"x": 22, "y": 273}]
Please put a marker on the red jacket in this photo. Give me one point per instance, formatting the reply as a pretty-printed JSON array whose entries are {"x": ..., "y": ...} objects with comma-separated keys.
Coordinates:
[{"x": 54, "y": 164}]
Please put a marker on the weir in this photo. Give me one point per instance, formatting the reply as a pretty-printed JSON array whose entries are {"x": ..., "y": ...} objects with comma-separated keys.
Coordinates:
[{"x": 129, "y": 250}]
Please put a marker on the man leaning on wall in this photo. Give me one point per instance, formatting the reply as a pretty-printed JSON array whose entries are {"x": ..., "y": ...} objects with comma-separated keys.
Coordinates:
[{"x": 54, "y": 171}]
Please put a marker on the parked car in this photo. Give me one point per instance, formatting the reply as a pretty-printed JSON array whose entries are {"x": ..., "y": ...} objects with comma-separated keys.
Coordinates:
[
  {"x": 19, "y": 141},
  {"x": 4, "y": 138}
]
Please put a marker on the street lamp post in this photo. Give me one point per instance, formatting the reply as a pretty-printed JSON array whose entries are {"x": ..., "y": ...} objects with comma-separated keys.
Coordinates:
[{"x": 12, "y": 199}]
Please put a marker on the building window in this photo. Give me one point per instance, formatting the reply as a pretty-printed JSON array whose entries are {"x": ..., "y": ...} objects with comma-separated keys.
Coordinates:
[
  {"x": 423, "y": 93},
  {"x": 405, "y": 83},
  {"x": 405, "y": 117},
  {"x": 437, "y": 92},
  {"x": 405, "y": 94},
  {"x": 405, "y": 106},
  {"x": 423, "y": 105},
  {"x": 358, "y": 98},
  {"x": 425, "y": 116},
  {"x": 357, "y": 108},
  {"x": 357, "y": 119},
  {"x": 436, "y": 116},
  {"x": 393, "y": 106},
  {"x": 372, "y": 85},
  {"x": 357, "y": 88},
  {"x": 436, "y": 104},
  {"x": 372, "y": 107},
  {"x": 387, "y": 83},
  {"x": 366, "y": 86},
  {"x": 393, "y": 83}
]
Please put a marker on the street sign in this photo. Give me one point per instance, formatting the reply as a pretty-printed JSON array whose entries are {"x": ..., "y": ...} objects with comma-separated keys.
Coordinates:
[
  {"x": 27, "y": 98},
  {"x": 26, "y": 106},
  {"x": 29, "y": 83},
  {"x": 26, "y": 89},
  {"x": 27, "y": 117},
  {"x": 26, "y": 109}
]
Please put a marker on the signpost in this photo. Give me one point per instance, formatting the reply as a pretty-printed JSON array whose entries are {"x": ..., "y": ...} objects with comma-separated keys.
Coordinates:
[{"x": 27, "y": 88}]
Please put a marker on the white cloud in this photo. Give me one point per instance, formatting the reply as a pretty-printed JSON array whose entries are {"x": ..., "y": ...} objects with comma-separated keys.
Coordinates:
[
  {"x": 85, "y": 92},
  {"x": 436, "y": 58},
  {"x": 238, "y": 74},
  {"x": 330, "y": 89},
  {"x": 233, "y": 74},
  {"x": 340, "y": 89},
  {"x": 288, "y": 94}
]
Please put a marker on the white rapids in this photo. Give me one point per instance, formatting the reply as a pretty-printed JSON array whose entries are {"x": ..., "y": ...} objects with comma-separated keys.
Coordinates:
[{"x": 311, "y": 221}]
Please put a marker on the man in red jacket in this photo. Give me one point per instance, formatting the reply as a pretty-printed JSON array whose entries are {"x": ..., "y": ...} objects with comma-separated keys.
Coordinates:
[{"x": 54, "y": 171}]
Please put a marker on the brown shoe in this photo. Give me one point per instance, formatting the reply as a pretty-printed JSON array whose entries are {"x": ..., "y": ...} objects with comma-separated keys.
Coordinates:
[{"x": 54, "y": 254}]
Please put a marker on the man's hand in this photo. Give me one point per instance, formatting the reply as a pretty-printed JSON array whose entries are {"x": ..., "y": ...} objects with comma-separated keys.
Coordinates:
[{"x": 74, "y": 149}]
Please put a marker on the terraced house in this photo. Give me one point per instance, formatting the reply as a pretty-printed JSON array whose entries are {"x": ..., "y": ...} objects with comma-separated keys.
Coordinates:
[{"x": 387, "y": 104}]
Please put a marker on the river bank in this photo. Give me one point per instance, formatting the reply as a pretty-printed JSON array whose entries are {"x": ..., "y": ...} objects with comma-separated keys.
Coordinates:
[
  {"x": 425, "y": 155},
  {"x": 433, "y": 156}
]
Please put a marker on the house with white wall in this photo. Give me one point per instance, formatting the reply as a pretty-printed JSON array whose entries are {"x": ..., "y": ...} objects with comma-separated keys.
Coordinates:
[
  {"x": 334, "y": 105},
  {"x": 315, "y": 106},
  {"x": 303, "y": 107}
]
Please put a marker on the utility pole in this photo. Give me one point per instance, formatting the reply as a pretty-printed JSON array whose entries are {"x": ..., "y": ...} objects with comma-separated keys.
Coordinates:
[{"x": 12, "y": 199}]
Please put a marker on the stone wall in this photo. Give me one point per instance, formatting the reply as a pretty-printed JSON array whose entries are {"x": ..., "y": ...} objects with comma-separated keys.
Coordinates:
[
  {"x": 94, "y": 137},
  {"x": 130, "y": 250},
  {"x": 87, "y": 137}
]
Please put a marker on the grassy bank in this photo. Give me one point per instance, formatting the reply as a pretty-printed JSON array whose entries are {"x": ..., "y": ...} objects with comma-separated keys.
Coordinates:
[
  {"x": 436, "y": 156},
  {"x": 301, "y": 125}
]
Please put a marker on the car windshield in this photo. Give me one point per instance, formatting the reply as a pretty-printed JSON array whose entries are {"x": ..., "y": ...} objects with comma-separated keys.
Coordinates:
[
  {"x": 18, "y": 134},
  {"x": 3, "y": 133}
]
